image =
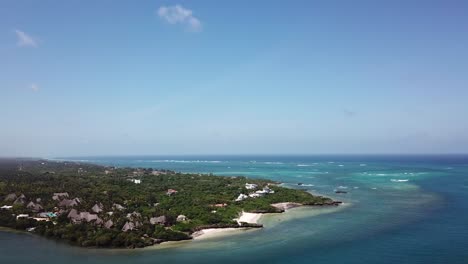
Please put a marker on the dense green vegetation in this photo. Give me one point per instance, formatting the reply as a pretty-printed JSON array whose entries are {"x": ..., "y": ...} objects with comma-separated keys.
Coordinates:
[{"x": 200, "y": 201}]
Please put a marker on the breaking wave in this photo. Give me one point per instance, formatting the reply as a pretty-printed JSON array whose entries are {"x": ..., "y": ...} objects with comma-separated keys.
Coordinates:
[
  {"x": 186, "y": 161},
  {"x": 398, "y": 180}
]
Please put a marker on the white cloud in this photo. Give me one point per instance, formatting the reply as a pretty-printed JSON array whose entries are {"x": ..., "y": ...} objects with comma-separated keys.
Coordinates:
[
  {"x": 34, "y": 87},
  {"x": 179, "y": 15},
  {"x": 24, "y": 40}
]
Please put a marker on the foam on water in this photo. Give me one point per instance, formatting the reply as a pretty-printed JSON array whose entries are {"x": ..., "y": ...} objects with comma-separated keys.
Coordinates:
[
  {"x": 399, "y": 180},
  {"x": 183, "y": 161}
]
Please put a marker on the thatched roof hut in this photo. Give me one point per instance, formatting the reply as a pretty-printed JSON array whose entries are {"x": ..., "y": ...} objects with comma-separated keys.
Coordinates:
[
  {"x": 97, "y": 208},
  {"x": 160, "y": 220},
  {"x": 10, "y": 197}
]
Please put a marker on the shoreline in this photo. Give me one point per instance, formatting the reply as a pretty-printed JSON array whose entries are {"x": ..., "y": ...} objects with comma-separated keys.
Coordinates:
[
  {"x": 243, "y": 221},
  {"x": 210, "y": 233},
  {"x": 252, "y": 218},
  {"x": 245, "y": 217},
  {"x": 205, "y": 235}
]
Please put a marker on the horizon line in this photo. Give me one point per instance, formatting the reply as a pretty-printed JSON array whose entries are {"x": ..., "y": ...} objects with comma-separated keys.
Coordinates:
[{"x": 233, "y": 155}]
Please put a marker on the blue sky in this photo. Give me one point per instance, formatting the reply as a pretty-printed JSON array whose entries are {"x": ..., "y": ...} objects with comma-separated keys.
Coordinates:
[{"x": 237, "y": 77}]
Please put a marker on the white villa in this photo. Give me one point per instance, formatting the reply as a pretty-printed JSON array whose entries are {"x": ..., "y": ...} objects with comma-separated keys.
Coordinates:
[
  {"x": 255, "y": 194},
  {"x": 241, "y": 197},
  {"x": 22, "y": 216},
  {"x": 265, "y": 190},
  {"x": 39, "y": 219},
  {"x": 250, "y": 186},
  {"x": 136, "y": 181}
]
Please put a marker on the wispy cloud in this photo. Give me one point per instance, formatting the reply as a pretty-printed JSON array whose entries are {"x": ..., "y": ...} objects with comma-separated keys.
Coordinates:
[
  {"x": 34, "y": 87},
  {"x": 348, "y": 113},
  {"x": 24, "y": 40},
  {"x": 179, "y": 15}
]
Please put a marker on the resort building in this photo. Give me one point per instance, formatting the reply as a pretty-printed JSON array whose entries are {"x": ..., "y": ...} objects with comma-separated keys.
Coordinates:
[
  {"x": 181, "y": 218},
  {"x": 250, "y": 186},
  {"x": 160, "y": 220},
  {"x": 59, "y": 196},
  {"x": 22, "y": 216},
  {"x": 10, "y": 197},
  {"x": 136, "y": 181},
  {"x": 35, "y": 207},
  {"x": 241, "y": 197},
  {"x": 171, "y": 192},
  {"x": 97, "y": 208}
]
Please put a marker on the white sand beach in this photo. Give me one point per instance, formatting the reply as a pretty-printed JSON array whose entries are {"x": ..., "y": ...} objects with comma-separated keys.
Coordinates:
[
  {"x": 251, "y": 218},
  {"x": 216, "y": 232}
]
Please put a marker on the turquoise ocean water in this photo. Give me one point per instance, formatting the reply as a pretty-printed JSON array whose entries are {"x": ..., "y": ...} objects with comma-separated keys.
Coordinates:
[{"x": 398, "y": 209}]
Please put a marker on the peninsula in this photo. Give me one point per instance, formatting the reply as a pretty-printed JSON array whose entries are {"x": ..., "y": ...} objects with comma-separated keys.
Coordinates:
[{"x": 100, "y": 206}]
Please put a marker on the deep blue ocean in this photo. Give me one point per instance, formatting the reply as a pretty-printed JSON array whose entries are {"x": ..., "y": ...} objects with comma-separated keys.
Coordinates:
[{"x": 398, "y": 209}]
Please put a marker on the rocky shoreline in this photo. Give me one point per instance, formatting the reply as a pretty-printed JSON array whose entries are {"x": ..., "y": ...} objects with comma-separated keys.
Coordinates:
[{"x": 281, "y": 207}]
